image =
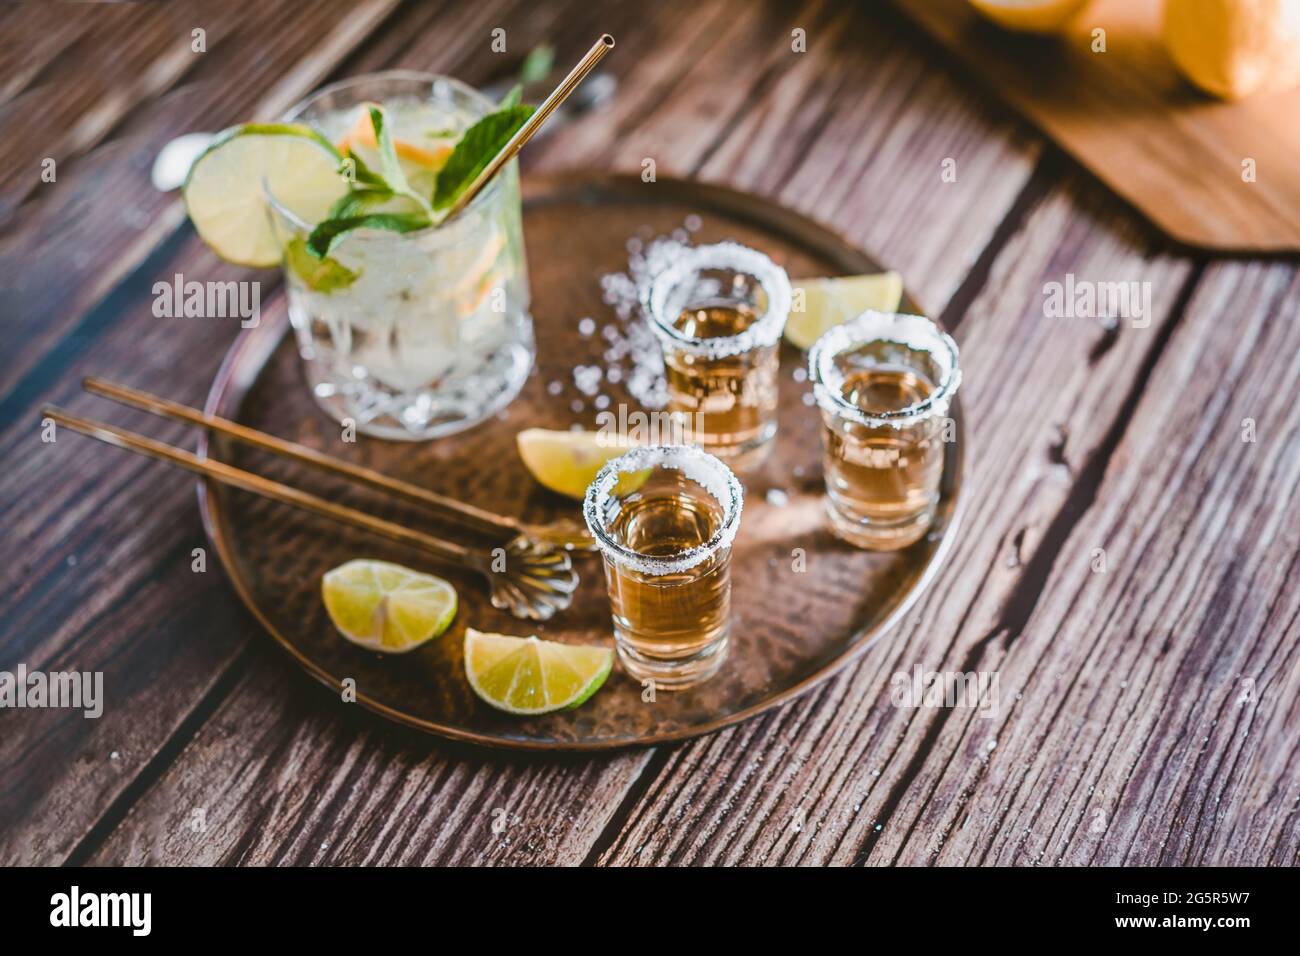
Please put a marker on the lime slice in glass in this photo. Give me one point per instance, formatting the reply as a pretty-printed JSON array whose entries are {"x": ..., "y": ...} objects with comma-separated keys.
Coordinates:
[{"x": 225, "y": 192}]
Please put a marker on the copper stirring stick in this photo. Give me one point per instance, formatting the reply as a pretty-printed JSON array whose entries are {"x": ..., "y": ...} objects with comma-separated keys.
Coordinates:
[
  {"x": 535, "y": 584},
  {"x": 567, "y": 535},
  {"x": 534, "y": 122}
]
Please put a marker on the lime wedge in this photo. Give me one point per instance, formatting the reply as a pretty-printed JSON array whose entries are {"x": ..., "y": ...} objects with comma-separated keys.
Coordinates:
[
  {"x": 567, "y": 461},
  {"x": 386, "y": 607},
  {"x": 828, "y": 302},
  {"x": 225, "y": 192},
  {"x": 524, "y": 675}
]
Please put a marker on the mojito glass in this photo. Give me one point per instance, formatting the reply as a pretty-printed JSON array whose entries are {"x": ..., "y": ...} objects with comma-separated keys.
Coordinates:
[{"x": 419, "y": 334}]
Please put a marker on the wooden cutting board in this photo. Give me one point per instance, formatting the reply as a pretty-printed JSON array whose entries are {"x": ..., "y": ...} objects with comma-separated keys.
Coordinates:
[{"x": 1128, "y": 115}]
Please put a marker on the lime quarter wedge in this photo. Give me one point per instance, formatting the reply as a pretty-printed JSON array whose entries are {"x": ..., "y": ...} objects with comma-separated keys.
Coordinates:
[
  {"x": 525, "y": 675},
  {"x": 828, "y": 302},
  {"x": 386, "y": 607},
  {"x": 567, "y": 461},
  {"x": 225, "y": 192}
]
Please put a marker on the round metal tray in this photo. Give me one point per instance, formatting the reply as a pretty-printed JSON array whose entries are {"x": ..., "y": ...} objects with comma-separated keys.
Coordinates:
[{"x": 791, "y": 630}]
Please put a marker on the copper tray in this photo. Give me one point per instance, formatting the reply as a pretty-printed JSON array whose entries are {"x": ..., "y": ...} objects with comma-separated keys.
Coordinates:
[{"x": 791, "y": 630}]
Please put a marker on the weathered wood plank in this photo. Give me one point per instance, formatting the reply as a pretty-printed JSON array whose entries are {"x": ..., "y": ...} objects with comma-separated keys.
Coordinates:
[
  {"x": 350, "y": 788},
  {"x": 812, "y": 783},
  {"x": 1155, "y": 717},
  {"x": 46, "y": 811},
  {"x": 158, "y": 824},
  {"x": 75, "y": 239},
  {"x": 101, "y": 547}
]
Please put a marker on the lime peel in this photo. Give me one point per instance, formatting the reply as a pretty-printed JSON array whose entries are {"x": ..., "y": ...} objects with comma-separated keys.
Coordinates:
[
  {"x": 386, "y": 607},
  {"x": 527, "y": 676}
]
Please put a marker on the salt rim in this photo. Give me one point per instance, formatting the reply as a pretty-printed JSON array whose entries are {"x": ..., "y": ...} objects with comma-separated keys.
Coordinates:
[
  {"x": 721, "y": 255},
  {"x": 912, "y": 331},
  {"x": 697, "y": 465}
]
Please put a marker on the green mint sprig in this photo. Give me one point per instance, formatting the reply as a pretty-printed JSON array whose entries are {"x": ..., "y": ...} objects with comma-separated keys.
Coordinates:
[
  {"x": 373, "y": 188},
  {"x": 389, "y": 168},
  {"x": 481, "y": 142}
]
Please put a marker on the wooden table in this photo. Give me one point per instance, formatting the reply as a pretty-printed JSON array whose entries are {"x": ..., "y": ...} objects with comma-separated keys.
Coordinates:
[{"x": 1128, "y": 563}]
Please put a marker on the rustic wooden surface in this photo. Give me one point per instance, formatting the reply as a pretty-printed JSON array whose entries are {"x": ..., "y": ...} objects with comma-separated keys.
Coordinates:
[
  {"x": 1126, "y": 113},
  {"x": 1149, "y": 710}
]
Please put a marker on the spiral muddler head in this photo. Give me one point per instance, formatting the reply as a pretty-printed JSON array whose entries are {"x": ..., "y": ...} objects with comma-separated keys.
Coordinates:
[{"x": 532, "y": 580}]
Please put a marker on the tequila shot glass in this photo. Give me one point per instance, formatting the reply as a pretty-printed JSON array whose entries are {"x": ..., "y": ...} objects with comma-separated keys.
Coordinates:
[
  {"x": 883, "y": 382},
  {"x": 664, "y": 517},
  {"x": 719, "y": 311}
]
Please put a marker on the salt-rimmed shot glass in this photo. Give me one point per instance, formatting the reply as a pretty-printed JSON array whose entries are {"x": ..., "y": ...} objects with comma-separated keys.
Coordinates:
[
  {"x": 664, "y": 517},
  {"x": 719, "y": 311},
  {"x": 883, "y": 382}
]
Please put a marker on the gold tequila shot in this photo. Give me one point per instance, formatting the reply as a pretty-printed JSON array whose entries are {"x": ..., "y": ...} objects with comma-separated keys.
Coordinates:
[
  {"x": 718, "y": 312},
  {"x": 665, "y": 517},
  {"x": 883, "y": 383}
]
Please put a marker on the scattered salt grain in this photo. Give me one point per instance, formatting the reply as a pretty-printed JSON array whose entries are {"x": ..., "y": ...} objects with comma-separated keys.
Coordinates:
[
  {"x": 777, "y": 498},
  {"x": 634, "y": 355},
  {"x": 809, "y": 399},
  {"x": 800, "y": 374},
  {"x": 586, "y": 327},
  {"x": 586, "y": 378},
  {"x": 555, "y": 388}
]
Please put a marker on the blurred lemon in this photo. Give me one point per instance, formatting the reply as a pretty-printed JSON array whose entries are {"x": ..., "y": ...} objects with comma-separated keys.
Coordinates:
[
  {"x": 1037, "y": 16},
  {"x": 1233, "y": 48}
]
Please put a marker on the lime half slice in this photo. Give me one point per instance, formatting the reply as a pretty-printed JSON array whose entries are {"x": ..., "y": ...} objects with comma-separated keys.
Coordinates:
[
  {"x": 525, "y": 675},
  {"x": 828, "y": 302},
  {"x": 386, "y": 607},
  {"x": 225, "y": 192},
  {"x": 567, "y": 461}
]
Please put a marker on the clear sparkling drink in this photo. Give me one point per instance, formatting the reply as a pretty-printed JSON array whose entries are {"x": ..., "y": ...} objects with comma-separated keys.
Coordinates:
[
  {"x": 432, "y": 333},
  {"x": 718, "y": 312},
  {"x": 883, "y": 384},
  {"x": 665, "y": 518}
]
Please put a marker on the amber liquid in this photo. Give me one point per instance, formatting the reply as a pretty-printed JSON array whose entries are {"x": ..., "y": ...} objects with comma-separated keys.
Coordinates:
[
  {"x": 736, "y": 395},
  {"x": 883, "y": 482},
  {"x": 670, "y": 627}
]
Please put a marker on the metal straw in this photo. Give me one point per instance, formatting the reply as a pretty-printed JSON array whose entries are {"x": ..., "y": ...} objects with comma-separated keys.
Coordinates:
[{"x": 534, "y": 122}]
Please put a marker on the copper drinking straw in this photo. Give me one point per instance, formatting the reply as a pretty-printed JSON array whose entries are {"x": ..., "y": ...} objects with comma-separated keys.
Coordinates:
[{"x": 534, "y": 122}]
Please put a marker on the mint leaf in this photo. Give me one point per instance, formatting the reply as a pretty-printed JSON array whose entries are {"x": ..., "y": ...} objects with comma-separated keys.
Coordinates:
[
  {"x": 329, "y": 233},
  {"x": 475, "y": 150},
  {"x": 537, "y": 64},
  {"x": 389, "y": 168},
  {"x": 511, "y": 98},
  {"x": 356, "y": 201},
  {"x": 321, "y": 275},
  {"x": 361, "y": 174}
]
